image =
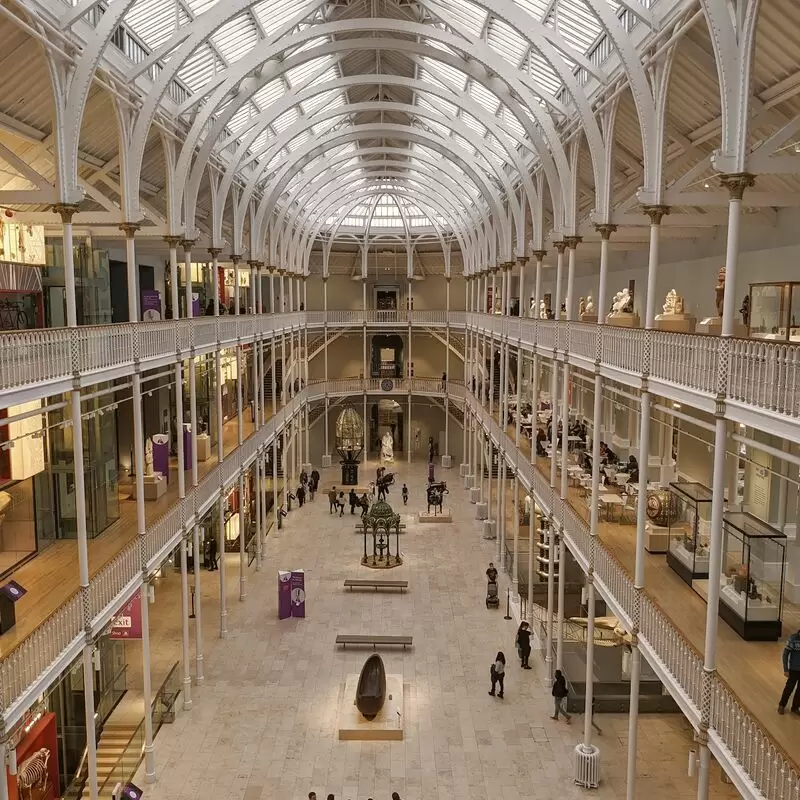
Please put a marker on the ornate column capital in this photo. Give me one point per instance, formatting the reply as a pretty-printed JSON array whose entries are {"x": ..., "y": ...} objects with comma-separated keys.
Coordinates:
[
  {"x": 522, "y": 260},
  {"x": 656, "y": 213},
  {"x": 605, "y": 229},
  {"x": 560, "y": 246},
  {"x": 736, "y": 183},
  {"x": 172, "y": 241},
  {"x": 235, "y": 258},
  {"x": 65, "y": 210},
  {"x": 187, "y": 244},
  {"x": 573, "y": 241},
  {"x": 539, "y": 254},
  {"x": 129, "y": 229},
  {"x": 214, "y": 252},
  {"x": 507, "y": 265}
]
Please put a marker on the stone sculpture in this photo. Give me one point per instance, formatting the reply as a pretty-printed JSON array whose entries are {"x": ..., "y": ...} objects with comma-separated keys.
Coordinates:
[
  {"x": 371, "y": 691},
  {"x": 581, "y": 305},
  {"x": 623, "y": 302},
  {"x": 387, "y": 448},
  {"x": 719, "y": 290},
  {"x": 436, "y": 493},
  {"x": 148, "y": 457},
  {"x": 542, "y": 310},
  {"x": 669, "y": 303},
  {"x": 589, "y": 305},
  {"x": 532, "y": 309}
]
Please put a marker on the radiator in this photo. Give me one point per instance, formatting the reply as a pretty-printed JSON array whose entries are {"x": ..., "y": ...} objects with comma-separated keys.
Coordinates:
[{"x": 587, "y": 766}]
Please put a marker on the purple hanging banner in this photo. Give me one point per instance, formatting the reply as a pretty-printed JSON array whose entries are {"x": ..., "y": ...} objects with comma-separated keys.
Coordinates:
[
  {"x": 284, "y": 594},
  {"x": 161, "y": 454},
  {"x": 298, "y": 584},
  {"x": 151, "y": 305},
  {"x": 187, "y": 446}
]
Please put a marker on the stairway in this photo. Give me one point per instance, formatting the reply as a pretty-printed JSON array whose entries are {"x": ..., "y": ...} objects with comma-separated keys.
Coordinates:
[{"x": 113, "y": 741}]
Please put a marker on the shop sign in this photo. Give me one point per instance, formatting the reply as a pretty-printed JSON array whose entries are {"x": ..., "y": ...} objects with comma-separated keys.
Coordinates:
[{"x": 128, "y": 623}]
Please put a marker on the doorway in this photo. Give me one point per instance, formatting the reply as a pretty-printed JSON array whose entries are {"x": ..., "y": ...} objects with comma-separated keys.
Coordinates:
[
  {"x": 387, "y": 357},
  {"x": 386, "y": 415}
]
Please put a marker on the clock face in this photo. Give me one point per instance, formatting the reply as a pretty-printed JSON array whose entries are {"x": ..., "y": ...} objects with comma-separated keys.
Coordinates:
[{"x": 298, "y": 596}]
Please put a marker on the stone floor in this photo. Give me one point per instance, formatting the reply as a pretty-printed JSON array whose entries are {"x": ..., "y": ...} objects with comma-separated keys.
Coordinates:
[{"x": 264, "y": 724}]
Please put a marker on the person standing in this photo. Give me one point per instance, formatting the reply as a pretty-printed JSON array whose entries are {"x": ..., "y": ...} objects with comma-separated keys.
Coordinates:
[
  {"x": 524, "y": 644},
  {"x": 353, "y": 498},
  {"x": 340, "y": 502},
  {"x": 212, "y": 553},
  {"x": 560, "y": 693},
  {"x": 405, "y": 495},
  {"x": 301, "y": 495},
  {"x": 497, "y": 673},
  {"x": 332, "y": 500},
  {"x": 791, "y": 671},
  {"x": 444, "y": 381}
]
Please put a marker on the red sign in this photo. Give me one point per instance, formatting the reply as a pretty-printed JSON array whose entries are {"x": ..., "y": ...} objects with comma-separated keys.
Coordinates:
[{"x": 128, "y": 623}]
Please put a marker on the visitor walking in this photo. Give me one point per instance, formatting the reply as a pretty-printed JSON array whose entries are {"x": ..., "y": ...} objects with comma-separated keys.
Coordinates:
[
  {"x": 405, "y": 495},
  {"x": 791, "y": 671},
  {"x": 444, "y": 381},
  {"x": 497, "y": 673},
  {"x": 560, "y": 693},
  {"x": 364, "y": 505},
  {"x": 212, "y": 553},
  {"x": 491, "y": 573},
  {"x": 340, "y": 502},
  {"x": 301, "y": 495},
  {"x": 332, "y": 500},
  {"x": 524, "y": 644},
  {"x": 353, "y": 498}
]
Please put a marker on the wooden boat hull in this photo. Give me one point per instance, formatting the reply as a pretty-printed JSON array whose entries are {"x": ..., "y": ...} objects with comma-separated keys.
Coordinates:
[{"x": 371, "y": 691}]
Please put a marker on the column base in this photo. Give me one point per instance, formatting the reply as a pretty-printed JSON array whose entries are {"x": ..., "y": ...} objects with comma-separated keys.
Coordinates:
[
  {"x": 481, "y": 508},
  {"x": 469, "y": 483},
  {"x": 447, "y": 462},
  {"x": 326, "y": 461},
  {"x": 587, "y": 766},
  {"x": 489, "y": 529},
  {"x": 463, "y": 469}
]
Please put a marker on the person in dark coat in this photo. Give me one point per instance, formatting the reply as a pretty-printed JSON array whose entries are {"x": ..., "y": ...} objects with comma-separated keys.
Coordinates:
[
  {"x": 332, "y": 500},
  {"x": 524, "y": 644},
  {"x": 560, "y": 693},
  {"x": 301, "y": 495},
  {"x": 791, "y": 671},
  {"x": 497, "y": 673},
  {"x": 212, "y": 553},
  {"x": 353, "y": 498}
]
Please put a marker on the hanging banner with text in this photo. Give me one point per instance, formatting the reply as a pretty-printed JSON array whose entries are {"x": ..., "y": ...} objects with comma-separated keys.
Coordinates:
[
  {"x": 298, "y": 584},
  {"x": 128, "y": 623},
  {"x": 284, "y": 594}
]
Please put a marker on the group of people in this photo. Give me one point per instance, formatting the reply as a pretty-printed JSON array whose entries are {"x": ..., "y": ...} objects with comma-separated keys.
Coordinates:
[
  {"x": 308, "y": 487},
  {"x": 522, "y": 642},
  {"x": 313, "y": 796}
]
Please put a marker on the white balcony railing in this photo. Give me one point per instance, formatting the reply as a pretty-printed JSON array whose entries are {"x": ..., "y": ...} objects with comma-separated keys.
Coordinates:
[{"x": 739, "y": 739}]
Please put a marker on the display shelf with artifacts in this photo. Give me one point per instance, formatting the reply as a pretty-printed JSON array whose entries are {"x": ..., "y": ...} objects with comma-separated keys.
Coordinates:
[
  {"x": 713, "y": 325},
  {"x": 689, "y": 530},
  {"x": 773, "y": 311},
  {"x": 752, "y": 579},
  {"x": 543, "y": 550},
  {"x": 622, "y": 314},
  {"x": 674, "y": 317},
  {"x": 586, "y": 310}
]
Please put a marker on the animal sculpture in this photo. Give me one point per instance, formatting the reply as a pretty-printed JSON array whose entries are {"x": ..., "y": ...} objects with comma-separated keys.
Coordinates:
[{"x": 436, "y": 492}]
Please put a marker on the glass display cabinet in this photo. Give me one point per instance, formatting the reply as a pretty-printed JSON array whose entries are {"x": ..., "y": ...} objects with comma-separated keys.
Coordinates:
[
  {"x": 689, "y": 524},
  {"x": 774, "y": 311},
  {"x": 753, "y": 571}
]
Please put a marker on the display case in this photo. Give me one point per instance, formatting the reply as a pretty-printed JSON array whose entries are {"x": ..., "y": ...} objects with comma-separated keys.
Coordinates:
[
  {"x": 774, "y": 311},
  {"x": 753, "y": 571},
  {"x": 689, "y": 524}
]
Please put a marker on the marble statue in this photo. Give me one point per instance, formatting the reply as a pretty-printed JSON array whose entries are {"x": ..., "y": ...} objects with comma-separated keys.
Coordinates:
[
  {"x": 719, "y": 290},
  {"x": 670, "y": 302},
  {"x": 581, "y": 305},
  {"x": 623, "y": 302},
  {"x": 528, "y": 504},
  {"x": 589, "y": 305},
  {"x": 532, "y": 309},
  {"x": 387, "y": 448},
  {"x": 542, "y": 310},
  {"x": 679, "y": 305},
  {"x": 148, "y": 457}
]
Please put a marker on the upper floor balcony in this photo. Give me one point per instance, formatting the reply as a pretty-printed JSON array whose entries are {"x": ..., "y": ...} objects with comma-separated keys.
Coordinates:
[{"x": 759, "y": 380}]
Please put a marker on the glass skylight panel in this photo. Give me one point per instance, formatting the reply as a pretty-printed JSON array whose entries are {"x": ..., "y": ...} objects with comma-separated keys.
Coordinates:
[
  {"x": 436, "y": 127},
  {"x": 437, "y": 104},
  {"x": 200, "y": 68},
  {"x": 302, "y": 72},
  {"x": 575, "y": 22},
  {"x": 269, "y": 94},
  {"x": 260, "y": 142},
  {"x": 466, "y": 14},
  {"x": 289, "y": 117},
  {"x": 484, "y": 96},
  {"x": 511, "y": 121},
  {"x": 507, "y": 42},
  {"x": 318, "y": 101},
  {"x": 299, "y": 140},
  {"x": 274, "y": 13},
  {"x": 240, "y": 118},
  {"x": 473, "y": 123},
  {"x": 536, "y": 8},
  {"x": 236, "y": 39},
  {"x": 155, "y": 21},
  {"x": 444, "y": 72}
]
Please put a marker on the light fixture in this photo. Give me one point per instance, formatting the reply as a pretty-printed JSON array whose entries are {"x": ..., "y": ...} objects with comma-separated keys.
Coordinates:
[{"x": 706, "y": 185}]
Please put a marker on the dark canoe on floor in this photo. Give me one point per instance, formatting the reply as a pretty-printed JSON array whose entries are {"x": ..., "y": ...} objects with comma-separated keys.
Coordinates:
[{"x": 371, "y": 691}]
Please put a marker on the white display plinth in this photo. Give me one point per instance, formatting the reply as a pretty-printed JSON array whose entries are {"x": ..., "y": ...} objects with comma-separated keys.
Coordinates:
[
  {"x": 475, "y": 494},
  {"x": 155, "y": 486},
  {"x": 463, "y": 470},
  {"x": 447, "y": 462},
  {"x": 387, "y": 725},
  {"x": 469, "y": 482},
  {"x": 677, "y": 323},
  {"x": 326, "y": 461},
  {"x": 713, "y": 327},
  {"x": 203, "y": 444},
  {"x": 482, "y": 509},
  {"x": 489, "y": 531},
  {"x": 624, "y": 319},
  {"x": 656, "y": 539},
  {"x": 587, "y": 766},
  {"x": 588, "y": 317},
  {"x": 444, "y": 516}
]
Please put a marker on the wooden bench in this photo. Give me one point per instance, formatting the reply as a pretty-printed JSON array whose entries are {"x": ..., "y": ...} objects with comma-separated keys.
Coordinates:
[
  {"x": 345, "y": 639},
  {"x": 376, "y": 584}
]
